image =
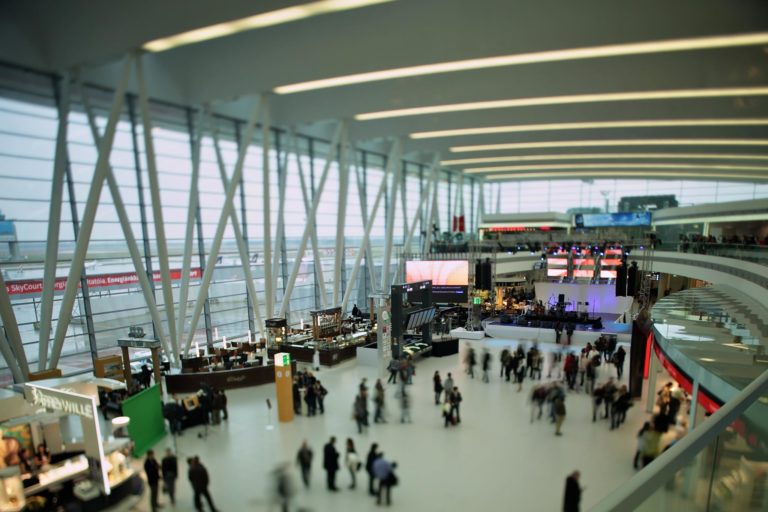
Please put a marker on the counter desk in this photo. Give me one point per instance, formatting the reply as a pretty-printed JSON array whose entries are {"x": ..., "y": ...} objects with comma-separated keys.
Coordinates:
[
  {"x": 328, "y": 357},
  {"x": 222, "y": 379}
]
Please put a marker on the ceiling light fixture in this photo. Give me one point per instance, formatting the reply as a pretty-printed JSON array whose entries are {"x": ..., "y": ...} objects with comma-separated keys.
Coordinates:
[
  {"x": 602, "y": 156},
  {"x": 639, "y": 174},
  {"x": 591, "y": 52},
  {"x": 611, "y": 143},
  {"x": 568, "y": 99},
  {"x": 642, "y": 123},
  {"x": 266, "y": 19},
  {"x": 485, "y": 170}
]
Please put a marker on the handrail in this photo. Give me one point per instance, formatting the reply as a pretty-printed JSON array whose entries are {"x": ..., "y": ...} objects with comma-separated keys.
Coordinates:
[{"x": 640, "y": 487}]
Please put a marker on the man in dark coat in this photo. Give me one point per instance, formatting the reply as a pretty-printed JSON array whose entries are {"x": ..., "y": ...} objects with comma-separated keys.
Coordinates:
[
  {"x": 572, "y": 493},
  {"x": 198, "y": 477},
  {"x": 152, "y": 469},
  {"x": 331, "y": 463},
  {"x": 170, "y": 467}
]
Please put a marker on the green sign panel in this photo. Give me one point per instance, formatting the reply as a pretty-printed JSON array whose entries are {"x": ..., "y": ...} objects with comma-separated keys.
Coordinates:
[
  {"x": 477, "y": 300},
  {"x": 286, "y": 359}
]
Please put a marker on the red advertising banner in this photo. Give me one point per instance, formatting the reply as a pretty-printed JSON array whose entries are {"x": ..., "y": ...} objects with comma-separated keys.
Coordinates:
[{"x": 35, "y": 286}]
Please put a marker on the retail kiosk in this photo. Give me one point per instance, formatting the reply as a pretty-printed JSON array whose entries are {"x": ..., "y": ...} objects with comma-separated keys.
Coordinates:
[{"x": 82, "y": 467}]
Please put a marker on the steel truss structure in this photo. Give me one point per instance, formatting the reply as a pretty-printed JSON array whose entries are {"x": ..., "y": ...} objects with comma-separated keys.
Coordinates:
[{"x": 169, "y": 320}]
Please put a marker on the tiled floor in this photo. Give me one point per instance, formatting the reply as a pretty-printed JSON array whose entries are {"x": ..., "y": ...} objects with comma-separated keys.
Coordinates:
[{"x": 496, "y": 459}]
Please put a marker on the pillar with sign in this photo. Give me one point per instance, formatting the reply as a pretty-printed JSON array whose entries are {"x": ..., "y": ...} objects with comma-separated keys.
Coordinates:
[{"x": 284, "y": 387}]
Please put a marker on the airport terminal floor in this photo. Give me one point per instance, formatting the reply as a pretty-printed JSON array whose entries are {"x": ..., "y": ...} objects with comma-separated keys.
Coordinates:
[{"x": 495, "y": 459}]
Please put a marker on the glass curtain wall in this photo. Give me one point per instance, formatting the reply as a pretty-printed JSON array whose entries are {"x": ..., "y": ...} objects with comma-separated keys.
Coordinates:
[{"x": 110, "y": 300}]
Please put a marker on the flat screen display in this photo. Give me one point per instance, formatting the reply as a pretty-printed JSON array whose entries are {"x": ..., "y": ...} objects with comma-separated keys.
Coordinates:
[
  {"x": 450, "y": 278},
  {"x": 602, "y": 220},
  {"x": 441, "y": 273}
]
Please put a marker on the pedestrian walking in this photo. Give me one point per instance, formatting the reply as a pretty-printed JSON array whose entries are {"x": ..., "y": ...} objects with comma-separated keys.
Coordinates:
[
  {"x": 384, "y": 472},
  {"x": 352, "y": 461},
  {"x": 405, "y": 407},
  {"x": 559, "y": 415},
  {"x": 296, "y": 396},
  {"x": 437, "y": 386},
  {"x": 360, "y": 412},
  {"x": 378, "y": 402},
  {"x": 320, "y": 393},
  {"x": 284, "y": 488},
  {"x": 373, "y": 454},
  {"x": 503, "y": 359},
  {"x": 486, "y": 364},
  {"x": 455, "y": 404},
  {"x": 538, "y": 398},
  {"x": 448, "y": 385},
  {"x": 198, "y": 477},
  {"x": 311, "y": 400},
  {"x": 618, "y": 361},
  {"x": 394, "y": 368},
  {"x": 471, "y": 361},
  {"x": 152, "y": 470},
  {"x": 170, "y": 469},
  {"x": 304, "y": 461},
  {"x": 572, "y": 493}
]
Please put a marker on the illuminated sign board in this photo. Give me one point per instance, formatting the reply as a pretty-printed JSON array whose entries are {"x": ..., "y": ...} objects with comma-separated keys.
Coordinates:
[
  {"x": 283, "y": 359},
  {"x": 63, "y": 401}
]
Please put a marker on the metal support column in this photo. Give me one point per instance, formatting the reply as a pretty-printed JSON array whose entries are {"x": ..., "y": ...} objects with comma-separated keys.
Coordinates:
[
  {"x": 363, "y": 194},
  {"x": 432, "y": 211},
  {"x": 279, "y": 251},
  {"x": 244, "y": 229},
  {"x": 341, "y": 216},
  {"x": 404, "y": 199},
  {"x": 480, "y": 204},
  {"x": 207, "y": 320},
  {"x": 89, "y": 216},
  {"x": 393, "y": 160},
  {"x": 282, "y": 249},
  {"x": 471, "y": 221},
  {"x": 450, "y": 209},
  {"x": 84, "y": 290},
  {"x": 269, "y": 293},
  {"x": 125, "y": 224},
  {"x": 223, "y": 217},
  {"x": 54, "y": 219},
  {"x": 193, "y": 213},
  {"x": 11, "y": 327},
  {"x": 131, "y": 100},
  {"x": 239, "y": 238},
  {"x": 157, "y": 210},
  {"x": 392, "y": 201},
  {"x": 313, "y": 213},
  {"x": 306, "y": 195},
  {"x": 7, "y": 353}
]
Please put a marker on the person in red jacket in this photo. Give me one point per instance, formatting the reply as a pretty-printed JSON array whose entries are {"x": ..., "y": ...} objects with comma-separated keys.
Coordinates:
[{"x": 571, "y": 368}]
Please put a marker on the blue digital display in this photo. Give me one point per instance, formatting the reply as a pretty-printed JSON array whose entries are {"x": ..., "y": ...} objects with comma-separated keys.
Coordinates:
[{"x": 603, "y": 220}]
